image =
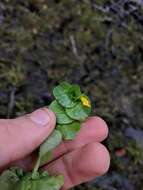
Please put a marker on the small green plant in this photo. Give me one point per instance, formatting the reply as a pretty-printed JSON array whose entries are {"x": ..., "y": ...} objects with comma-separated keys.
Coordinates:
[{"x": 71, "y": 107}]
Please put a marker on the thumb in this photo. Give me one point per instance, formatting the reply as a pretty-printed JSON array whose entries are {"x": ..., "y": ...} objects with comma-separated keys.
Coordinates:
[{"x": 20, "y": 136}]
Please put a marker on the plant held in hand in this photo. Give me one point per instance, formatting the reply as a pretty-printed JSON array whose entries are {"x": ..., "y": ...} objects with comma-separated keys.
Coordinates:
[{"x": 71, "y": 107}]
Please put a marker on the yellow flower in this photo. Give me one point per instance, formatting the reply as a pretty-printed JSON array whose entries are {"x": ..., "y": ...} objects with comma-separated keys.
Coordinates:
[{"x": 85, "y": 101}]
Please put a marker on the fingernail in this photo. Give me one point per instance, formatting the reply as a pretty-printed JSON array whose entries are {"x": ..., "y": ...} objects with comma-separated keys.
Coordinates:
[{"x": 40, "y": 117}]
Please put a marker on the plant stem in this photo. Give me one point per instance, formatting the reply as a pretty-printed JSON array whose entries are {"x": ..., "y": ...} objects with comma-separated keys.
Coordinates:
[{"x": 36, "y": 167}]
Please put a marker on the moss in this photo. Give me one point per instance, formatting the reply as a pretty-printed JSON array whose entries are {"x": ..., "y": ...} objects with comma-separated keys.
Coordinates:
[{"x": 134, "y": 151}]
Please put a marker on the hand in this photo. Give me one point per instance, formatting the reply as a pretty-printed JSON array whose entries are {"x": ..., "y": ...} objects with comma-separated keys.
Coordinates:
[{"x": 79, "y": 160}]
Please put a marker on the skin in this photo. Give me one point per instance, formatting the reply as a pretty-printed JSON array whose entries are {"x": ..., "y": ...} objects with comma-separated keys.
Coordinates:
[{"x": 79, "y": 160}]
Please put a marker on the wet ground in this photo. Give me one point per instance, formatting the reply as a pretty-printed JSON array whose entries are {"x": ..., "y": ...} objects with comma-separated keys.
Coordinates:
[{"x": 97, "y": 44}]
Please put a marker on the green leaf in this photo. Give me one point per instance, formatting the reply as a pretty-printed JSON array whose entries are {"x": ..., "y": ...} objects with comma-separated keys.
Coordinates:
[
  {"x": 74, "y": 92},
  {"x": 45, "y": 150},
  {"x": 48, "y": 183},
  {"x": 8, "y": 179},
  {"x": 44, "y": 174},
  {"x": 43, "y": 183},
  {"x": 78, "y": 112},
  {"x": 69, "y": 131},
  {"x": 18, "y": 171},
  {"x": 24, "y": 184},
  {"x": 50, "y": 143},
  {"x": 61, "y": 116},
  {"x": 63, "y": 96}
]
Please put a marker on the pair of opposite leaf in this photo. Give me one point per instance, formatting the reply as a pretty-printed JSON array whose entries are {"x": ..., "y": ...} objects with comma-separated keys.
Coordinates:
[
  {"x": 71, "y": 107},
  {"x": 16, "y": 179}
]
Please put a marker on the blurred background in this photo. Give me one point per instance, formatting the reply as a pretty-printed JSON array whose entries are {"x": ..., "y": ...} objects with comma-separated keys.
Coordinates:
[{"x": 95, "y": 43}]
